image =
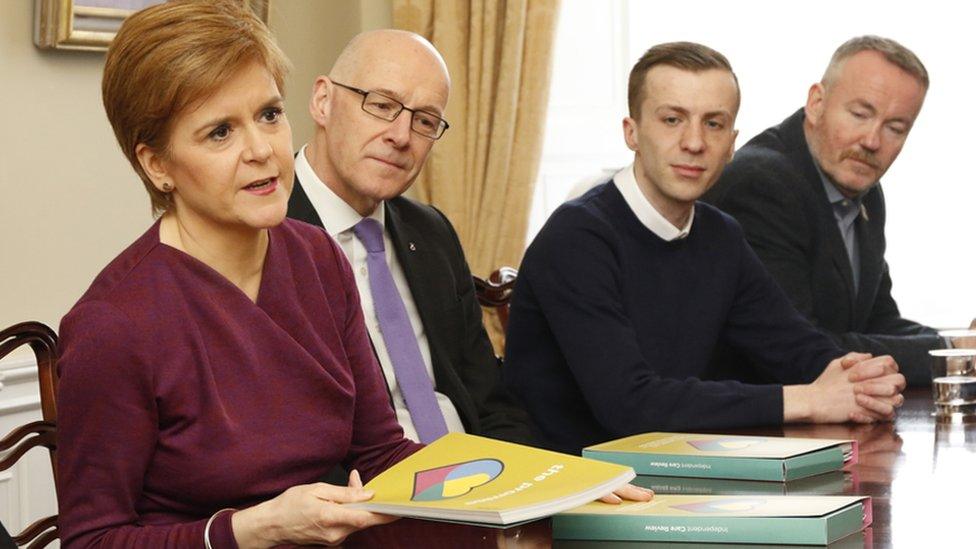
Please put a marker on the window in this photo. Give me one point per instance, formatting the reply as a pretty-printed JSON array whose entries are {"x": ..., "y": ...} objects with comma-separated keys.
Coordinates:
[{"x": 778, "y": 49}]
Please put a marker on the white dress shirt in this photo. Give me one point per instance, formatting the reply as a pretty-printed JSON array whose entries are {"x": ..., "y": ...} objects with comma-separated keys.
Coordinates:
[
  {"x": 338, "y": 217},
  {"x": 639, "y": 204}
]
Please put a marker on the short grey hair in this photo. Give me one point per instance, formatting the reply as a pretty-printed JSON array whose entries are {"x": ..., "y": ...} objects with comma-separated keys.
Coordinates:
[{"x": 895, "y": 53}]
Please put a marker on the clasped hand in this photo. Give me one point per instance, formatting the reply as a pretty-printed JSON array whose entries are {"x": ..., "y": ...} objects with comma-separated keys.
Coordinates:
[{"x": 874, "y": 383}]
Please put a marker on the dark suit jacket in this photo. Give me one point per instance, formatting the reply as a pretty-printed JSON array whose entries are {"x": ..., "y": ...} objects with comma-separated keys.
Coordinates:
[
  {"x": 465, "y": 367},
  {"x": 773, "y": 189}
]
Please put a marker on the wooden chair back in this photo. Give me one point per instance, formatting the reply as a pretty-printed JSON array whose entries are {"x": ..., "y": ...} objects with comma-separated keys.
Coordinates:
[
  {"x": 496, "y": 292},
  {"x": 44, "y": 342}
]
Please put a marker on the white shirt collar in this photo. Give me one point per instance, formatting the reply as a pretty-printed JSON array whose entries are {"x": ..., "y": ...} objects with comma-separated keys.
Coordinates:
[
  {"x": 337, "y": 216},
  {"x": 651, "y": 218}
]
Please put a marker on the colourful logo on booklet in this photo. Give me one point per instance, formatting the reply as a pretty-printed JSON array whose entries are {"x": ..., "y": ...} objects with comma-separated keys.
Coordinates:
[
  {"x": 725, "y": 444},
  {"x": 724, "y": 505},
  {"x": 451, "y": 481}
]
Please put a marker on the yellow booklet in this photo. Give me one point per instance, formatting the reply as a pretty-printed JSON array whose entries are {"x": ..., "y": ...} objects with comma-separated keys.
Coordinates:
[{"x": 476, "y": 480}]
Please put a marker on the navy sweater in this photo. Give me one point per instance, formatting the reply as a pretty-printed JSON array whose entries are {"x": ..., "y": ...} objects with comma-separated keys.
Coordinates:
[{"x": 614, "y": 331}]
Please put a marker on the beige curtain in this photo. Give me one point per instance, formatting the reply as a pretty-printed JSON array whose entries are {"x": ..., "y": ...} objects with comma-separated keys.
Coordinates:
[{"x": 481, "y": 174}]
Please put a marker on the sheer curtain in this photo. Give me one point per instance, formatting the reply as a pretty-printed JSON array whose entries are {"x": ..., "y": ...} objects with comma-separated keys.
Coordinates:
[{"x": 481, "y": 174}]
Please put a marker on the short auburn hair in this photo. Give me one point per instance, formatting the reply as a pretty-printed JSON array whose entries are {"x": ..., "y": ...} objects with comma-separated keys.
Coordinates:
[
  {"x": 689, "y": 56},
  {"x": 170, "y": 56}
]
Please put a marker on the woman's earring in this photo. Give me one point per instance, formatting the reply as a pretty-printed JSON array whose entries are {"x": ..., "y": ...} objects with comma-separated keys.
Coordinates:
[{"x": 167, "y": 187}]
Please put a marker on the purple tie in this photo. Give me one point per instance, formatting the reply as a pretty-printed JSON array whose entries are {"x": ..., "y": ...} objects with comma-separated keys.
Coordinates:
[{"x": 408, "y": 364}]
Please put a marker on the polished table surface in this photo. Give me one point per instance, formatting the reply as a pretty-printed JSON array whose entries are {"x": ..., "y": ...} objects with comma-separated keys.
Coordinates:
[{"x": 921, "y": 474}]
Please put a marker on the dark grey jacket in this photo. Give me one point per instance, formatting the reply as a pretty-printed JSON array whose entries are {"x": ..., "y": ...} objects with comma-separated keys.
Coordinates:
[{"x": 773, "y": 189}]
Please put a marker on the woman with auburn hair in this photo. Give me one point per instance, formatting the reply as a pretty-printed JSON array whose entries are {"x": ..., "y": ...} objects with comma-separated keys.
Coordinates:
[{"x": 220, "y": 364}]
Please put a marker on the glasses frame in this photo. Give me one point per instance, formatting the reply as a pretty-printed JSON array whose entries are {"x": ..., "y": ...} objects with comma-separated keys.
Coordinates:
[{"x": 413, "y": 112}]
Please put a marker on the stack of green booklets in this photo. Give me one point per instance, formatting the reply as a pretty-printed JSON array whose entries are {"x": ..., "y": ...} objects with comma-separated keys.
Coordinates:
[
  {"x": 685, "y": 463},
  {"x": 726, "y": 456},
  {"x": 474, "y": 480},
  {"x": 804, "y": 520}
]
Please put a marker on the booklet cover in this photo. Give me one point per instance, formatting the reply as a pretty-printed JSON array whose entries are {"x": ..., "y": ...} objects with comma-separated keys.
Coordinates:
[
  {"x": 476, "y": 480},
  {"x": 727, "y": 456},
  {"x": 805, "y": 520}
]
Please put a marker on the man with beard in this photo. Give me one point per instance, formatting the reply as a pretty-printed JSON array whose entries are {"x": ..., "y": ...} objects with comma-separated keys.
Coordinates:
[{"x": 807, "y": 194}]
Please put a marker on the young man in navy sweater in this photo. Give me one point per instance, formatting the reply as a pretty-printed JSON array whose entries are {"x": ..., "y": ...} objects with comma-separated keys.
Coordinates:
[{"x": 639, "y": 309}]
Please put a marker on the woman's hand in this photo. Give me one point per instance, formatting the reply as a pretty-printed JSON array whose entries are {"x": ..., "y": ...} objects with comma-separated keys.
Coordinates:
[
  {"x": 628, "y": 492},
  {"x": 307, "y": 514}
]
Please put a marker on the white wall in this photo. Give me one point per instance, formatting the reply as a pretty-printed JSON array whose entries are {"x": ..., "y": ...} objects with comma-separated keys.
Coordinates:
[{"x": 777, "y": 50}]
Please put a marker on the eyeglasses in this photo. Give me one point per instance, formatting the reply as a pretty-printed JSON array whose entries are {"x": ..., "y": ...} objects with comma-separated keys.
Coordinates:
[{"x": 387, "y": 108}]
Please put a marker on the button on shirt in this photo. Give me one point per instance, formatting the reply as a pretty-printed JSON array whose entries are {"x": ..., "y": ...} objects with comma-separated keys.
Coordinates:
[
  {"x": 338, "y": 218},
  {"x": 846, "y": 211},
  {"x": 626, "y": 183}
]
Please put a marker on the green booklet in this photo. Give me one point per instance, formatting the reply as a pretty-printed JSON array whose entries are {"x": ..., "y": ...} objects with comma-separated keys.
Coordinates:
[
  {"x": 474, "y": 480},
  {"x": 854, "y": 541},
  {"x": 726, "y": 456},
  {"x": 834, "y": 483},
  {"x": 801, "y": 520}
]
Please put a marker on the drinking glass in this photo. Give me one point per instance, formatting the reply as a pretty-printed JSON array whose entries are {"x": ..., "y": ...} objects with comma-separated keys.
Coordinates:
[{"x": 954, "y": 383}]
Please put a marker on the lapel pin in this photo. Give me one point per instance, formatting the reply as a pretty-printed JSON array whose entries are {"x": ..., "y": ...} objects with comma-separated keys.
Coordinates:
[{"x": 413, "y": 247}]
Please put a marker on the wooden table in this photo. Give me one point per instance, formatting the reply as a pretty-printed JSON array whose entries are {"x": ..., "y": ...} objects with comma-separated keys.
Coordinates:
[{"x": 920, "y": 473}]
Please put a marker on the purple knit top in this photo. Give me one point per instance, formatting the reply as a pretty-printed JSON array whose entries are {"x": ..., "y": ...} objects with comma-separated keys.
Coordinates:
[{"x": 179, "y": 396}]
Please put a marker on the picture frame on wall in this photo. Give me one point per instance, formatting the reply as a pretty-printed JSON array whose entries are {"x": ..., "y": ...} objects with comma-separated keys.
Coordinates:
[{"x": 91, "y": 25}]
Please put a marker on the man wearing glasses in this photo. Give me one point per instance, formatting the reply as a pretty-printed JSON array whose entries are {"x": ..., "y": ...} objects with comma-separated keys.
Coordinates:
[{"x": 377, "y": 115}]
